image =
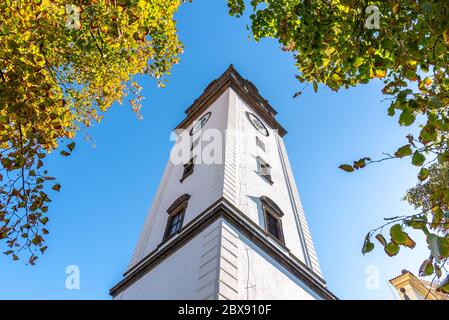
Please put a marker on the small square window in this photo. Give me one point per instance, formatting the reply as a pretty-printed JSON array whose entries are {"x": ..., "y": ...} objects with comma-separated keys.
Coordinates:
[
  {"x": 260, "y": 144},
  {"x": 188, "y": 169},
  {"x": 264, "y": 170}
]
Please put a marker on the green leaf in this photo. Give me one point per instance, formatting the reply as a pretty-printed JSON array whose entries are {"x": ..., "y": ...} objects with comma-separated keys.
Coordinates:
[
  {"x": 315, "y": 86},
  {"x": 391, "y": 249},
  {"x": 359, "y": 164},
  {"x": 439, "y": 246},
  {"x": 346, "y": 167},
  {"x": 428, "y": 134},
  {"x": 368, "y": 246},
  {"x": 65, "y": 153},
  {"x": 418, "y": 159},
  {"x": 56, "y": 187},
  {"x": 358, "y": 62},
  {"x": 336, "y": 77},
  {"x": 423, "y": 174},
  {"x": 403, "y": 94},
  {"x": 391, "y": 110},
  {"x": 417, "y": 223},
  {"x": 71, "y": 146},
  {"x": 407, "y": 117},
  {"x": 397, "y": 234},
  {"x": 426, "y": 268},
  {"x": 403, "y": 151}
]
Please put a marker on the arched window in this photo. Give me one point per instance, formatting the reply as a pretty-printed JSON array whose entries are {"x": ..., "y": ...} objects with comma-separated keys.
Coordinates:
[
  {"x": 273, "y": 218},
  {"x": 176, "y": 216}
]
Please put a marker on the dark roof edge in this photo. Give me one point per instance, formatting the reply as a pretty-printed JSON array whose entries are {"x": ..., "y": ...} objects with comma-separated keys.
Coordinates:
[{"x": 245, "y": 89}]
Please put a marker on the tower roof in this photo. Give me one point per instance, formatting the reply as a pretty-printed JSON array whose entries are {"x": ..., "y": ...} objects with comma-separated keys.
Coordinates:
[{"x": 244, "y": 88}]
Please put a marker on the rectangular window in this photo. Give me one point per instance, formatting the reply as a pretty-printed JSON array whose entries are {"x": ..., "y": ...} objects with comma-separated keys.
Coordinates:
[
  {"x": 176, "y": 216},
  {"x": 264, "y": 170},
  {"x": 273, "y": 227},
  {"x": 188, "y": 169},
  {"x": 174, "y": 224},
  {"x": 260, "y": 144}
]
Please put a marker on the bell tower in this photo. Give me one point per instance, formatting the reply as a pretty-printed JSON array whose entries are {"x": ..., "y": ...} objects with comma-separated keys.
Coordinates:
[{"x": 226, "y": 221}]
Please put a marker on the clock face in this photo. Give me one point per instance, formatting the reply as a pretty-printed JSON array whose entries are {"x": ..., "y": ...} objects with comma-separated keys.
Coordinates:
[
  {"x": 200, "y": 123},
  {"x": 257, "y": 124}
]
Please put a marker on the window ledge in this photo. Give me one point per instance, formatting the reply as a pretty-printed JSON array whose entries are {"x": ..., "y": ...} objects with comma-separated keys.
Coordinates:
[
  {"x": 268, "y": 180},
  {"x": 279, "y": 242},
  {"x": 185, "y": 176}
]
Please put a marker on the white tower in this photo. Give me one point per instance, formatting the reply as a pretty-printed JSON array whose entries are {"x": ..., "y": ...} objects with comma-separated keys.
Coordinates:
[{"x": 234, "y": 229}]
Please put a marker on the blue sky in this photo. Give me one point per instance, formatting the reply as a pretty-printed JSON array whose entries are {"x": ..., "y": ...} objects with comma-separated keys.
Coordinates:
[{"x": 107, "y": 190}]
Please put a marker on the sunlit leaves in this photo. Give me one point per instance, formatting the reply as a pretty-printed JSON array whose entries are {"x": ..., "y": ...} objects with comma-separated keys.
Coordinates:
[
  {"x": 397, "y": 234},
  {"x": 409, "y": 52},
  {"x": 403, "y": 151},
  {"x": 368, "y": 246},
  {"x": 391, "y": 249},
  {"x": 423, "y": 174},
  {"x": 55, "y": 80},
  {"x": 418, "y": 159},
  {"x": 407, "y": 117},
  {"x": 439, "y": 246},
  {"x": 426, "y": 268},
  {"x": 346, "y": 167}
]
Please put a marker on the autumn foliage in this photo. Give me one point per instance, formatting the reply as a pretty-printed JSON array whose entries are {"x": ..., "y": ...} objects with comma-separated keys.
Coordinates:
[{"x": 62, "y": 65}]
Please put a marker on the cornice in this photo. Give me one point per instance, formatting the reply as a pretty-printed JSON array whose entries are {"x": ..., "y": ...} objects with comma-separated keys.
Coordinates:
[
  {"x": 244, "y": 88},
  {"x": 223, "y": 209}
]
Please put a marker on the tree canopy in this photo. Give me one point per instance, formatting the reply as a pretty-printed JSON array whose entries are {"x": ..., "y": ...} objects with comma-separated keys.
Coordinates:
[
  {"x": 63, "y": 64},
  {"x": 404, "y": 43}
]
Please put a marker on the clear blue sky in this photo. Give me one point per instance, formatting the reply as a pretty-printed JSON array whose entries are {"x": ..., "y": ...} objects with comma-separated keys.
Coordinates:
[{"x": 106, "y": 191}]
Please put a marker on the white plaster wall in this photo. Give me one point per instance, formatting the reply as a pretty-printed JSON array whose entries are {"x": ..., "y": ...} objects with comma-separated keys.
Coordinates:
[
  {"x": 183, "y": 275},
  {"x": 252, "y": 186},
  {"x": 205, "y": 186},
  {"x": 218, "y": 263},
  {"x": 262, "y": 278}
]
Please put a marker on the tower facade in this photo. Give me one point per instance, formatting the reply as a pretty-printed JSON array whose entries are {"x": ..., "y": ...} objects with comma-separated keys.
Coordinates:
[{"x": 227, "y": 221}]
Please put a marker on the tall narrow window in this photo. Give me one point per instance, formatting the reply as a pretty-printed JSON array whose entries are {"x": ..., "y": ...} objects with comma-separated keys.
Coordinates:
[
  {"x": 273, "y": 215},
  {"x": 273, "y": 226},
  {"x": 188, "y": 169},
  {"x": 260, "y": 144},
  {"x": 264, "y": 169},
  {"x": 176, "y": 216}
]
